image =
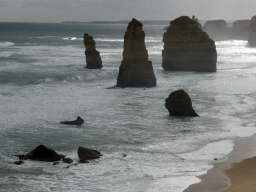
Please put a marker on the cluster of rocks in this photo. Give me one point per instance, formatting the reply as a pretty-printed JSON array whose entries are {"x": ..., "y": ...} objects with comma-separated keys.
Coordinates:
[
  {"x": 42, "y": 153},
  {"x": 188, "y": 48}
]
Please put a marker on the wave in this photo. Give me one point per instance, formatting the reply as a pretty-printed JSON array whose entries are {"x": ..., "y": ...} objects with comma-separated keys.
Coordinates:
[
  {"x": 72, "y": 38},
  {"x": 6, "y": 44}
]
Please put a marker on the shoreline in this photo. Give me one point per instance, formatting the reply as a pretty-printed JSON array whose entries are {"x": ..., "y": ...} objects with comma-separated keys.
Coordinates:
[{"x": 218, "y": 178}]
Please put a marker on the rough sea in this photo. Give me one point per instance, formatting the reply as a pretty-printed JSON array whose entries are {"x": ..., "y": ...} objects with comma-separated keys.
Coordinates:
[{"x": 43, "y": 81}]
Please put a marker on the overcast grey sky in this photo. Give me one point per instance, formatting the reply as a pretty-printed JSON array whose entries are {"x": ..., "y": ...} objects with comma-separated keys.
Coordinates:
[{"x": 112, "y": 10}]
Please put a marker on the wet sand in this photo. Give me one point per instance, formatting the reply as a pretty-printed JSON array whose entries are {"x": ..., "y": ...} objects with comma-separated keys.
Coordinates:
[{"x": 237, "y": 174}]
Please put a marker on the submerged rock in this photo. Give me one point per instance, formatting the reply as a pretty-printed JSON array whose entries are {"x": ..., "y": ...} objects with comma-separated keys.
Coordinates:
[
  {"x": 18, "y": 162},
  {"x": 42, "y": 153},
  {"x": 217, "y": 30},
  {"x": 93, "y": 58},
  {"x": 252, "y": 32},
  {"x": 78, "y": 121},
  {"x": 179, "y": 104},
  {"x": 87, "y": 154},
  {"x": 188, "y": 48},
  {"x": 67, "y": 160},
  {"x": 135, "y": 70},
  {"x": 240, "y": 29}
]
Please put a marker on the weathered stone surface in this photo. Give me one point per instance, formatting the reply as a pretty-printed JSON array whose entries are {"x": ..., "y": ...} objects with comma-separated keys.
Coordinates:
[
  {"x": 179, "y": 104},
  {"x": 217, "y": 30},
  {"x": 135, "y": 70},
  {"x": 87, "y": 154},
  {"x": 188, "y": 48},
  {"x": 93, "y": 58},
  {"x": 42, "y": 153},
  {"x": 252, "y": 32},
  {"x": 78, "y": 121},
  {"x": 240, "y": 29}
]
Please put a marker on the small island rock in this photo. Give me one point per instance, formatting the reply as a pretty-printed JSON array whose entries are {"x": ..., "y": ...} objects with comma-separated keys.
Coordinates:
[
  {"x": 252, "y": 32},
  {"x": 78, "y": 121},
  {"x": 93, "y": 58},
  {"x": 179, "y": 104},
  {"x": 135, "y": 70},
  {"x": 240, "y": 29},
  {"x": 217, "y": 30},
  {"x": 87, "y": 154},
  {"x": 188, "y": 48}
]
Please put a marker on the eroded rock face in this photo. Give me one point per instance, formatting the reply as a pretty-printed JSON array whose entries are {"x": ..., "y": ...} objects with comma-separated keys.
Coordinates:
[
  {"x": 179, "y": 104},
  {"x": 87, "y": 154},
  {"x": 217, "y": 30},
  {"x": 188, "y": 48},
  {"x": 42, "y": 153},
  {"x": 135, "y": 70},
  {"x": 93, "y": 58},
  {"x": 252, "y": 32},
  {"x": 240, "y": 29}
]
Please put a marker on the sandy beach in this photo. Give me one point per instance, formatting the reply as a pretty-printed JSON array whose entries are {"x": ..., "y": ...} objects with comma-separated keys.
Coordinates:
[{"x": 237, "y": 174}]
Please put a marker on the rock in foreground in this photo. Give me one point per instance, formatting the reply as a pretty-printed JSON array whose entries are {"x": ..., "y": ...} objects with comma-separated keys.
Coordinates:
[
  {"x": 42, "y": 153},
  {"x": 87, "y": 154},
  {"x": 179, "y": 104},
  {"x": 78, "y": 121},
  {"x": 188, "y": 48},
  {"x": 93, "y": 58},
  {"x": 135, "y": 70},
  {"x": 252, "y": 32}
]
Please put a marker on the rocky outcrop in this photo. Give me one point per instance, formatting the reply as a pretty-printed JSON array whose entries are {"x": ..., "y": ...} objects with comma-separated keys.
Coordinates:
[
  {"x": 78, "y": 121},
  {"x": 252, "y": 32},
  {"x": 179, "y": 104},
  {"x": 93, "y": 58},
  {"x": 188, "y": 48},
  {"x": 240, "y": 29},
  {"x": 196, "y": 20},
  {"x": 87, "y": 154},
  {"x": 135, "y": 70},
  {"x": 217, "y": 30},
  {"x": 42, "y": 153}
]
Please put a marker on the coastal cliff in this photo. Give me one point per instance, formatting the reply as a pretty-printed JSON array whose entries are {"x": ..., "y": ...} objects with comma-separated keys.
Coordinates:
[
  {"x": 252, "y": 32},
  {"x": 188, "y": 48}
]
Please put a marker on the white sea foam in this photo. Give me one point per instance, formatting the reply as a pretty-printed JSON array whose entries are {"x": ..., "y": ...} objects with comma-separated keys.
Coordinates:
[{"x": 6, "y": 44}]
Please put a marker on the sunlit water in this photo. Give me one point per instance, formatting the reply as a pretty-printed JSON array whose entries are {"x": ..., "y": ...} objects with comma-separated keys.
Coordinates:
[{"x": 43, "y": 81}]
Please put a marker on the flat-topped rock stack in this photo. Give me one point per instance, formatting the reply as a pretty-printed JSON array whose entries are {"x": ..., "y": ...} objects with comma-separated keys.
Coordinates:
[
  {"x": 252, "y": 32},
  {"x": 188, "y": 48},
  {"x": 93, "y": 58},
  {"x": 135, "y": 70},
  {"x": 240, "y": 29},
  {"x": 217, "y": 30}
]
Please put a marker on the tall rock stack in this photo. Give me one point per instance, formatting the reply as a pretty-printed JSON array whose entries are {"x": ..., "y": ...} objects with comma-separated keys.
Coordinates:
[
  {"x": 252, "y": 32},
  {"x": 240, "y": 29},
  {"x": 188, "y": 48},
  {"x": 217, "y": 30},
  {"x": 93, "y": 59},
  {"x": 135, "y": 70}
]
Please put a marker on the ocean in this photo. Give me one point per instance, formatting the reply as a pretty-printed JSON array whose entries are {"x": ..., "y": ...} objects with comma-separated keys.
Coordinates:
[{"x": 43, "y": 81}]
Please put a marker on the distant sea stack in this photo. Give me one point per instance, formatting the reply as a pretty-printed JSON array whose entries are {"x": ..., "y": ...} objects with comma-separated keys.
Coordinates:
[
  {"x": 188, "y": 48},
  {"x": 252, "y": 32},
  {"x": 240, "y": 29},
  {"x": 217, "y": 30},
  {"x": 93, "y": 59},
  {"x": 135, "y": 70}
]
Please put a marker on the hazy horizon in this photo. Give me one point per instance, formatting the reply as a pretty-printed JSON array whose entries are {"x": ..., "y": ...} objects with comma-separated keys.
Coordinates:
[{"x": 112, "y": 10}]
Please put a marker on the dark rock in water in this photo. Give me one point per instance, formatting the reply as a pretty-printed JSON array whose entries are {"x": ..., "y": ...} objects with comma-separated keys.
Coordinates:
[
  {"x": 252, "y": 32},
  {"x": 67, "y": 160},
  {"x": 56, "y": 163},
  {"x": 18, "y": 162},
  {"x": 179, "y": 104},
  {"x": 135, "y": 70},
  {"x": 78, "y": 121},
  {"x": 87, "y": 154},
  {"x": 42, "y": 153},
  {"x": 93, "y": 58}
]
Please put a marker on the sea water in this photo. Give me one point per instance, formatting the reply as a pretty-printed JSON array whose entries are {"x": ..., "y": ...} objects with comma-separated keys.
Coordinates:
[{"x": 43, "y": 81}]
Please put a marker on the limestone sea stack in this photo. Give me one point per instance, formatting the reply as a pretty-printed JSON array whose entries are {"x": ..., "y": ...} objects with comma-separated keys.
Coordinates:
[
  {"x": 179, "y": 104},
  {"x": 252, "y": 32},
  {"x": 135, "y": 70},
  {"x": 93, "y": 58},
  {"x": 240, "y": 29},
  {"x": 188, "y": 48},
  {"x": 217, "y": 30}
]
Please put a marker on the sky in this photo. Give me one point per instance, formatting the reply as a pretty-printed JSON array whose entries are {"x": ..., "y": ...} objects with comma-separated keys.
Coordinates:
[{"x": 56, "y": 11}]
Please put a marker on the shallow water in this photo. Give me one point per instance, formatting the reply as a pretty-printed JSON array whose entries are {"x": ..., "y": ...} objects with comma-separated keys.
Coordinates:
[{"x": 43, "y": 81}]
